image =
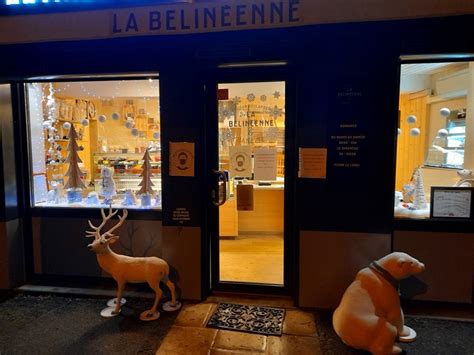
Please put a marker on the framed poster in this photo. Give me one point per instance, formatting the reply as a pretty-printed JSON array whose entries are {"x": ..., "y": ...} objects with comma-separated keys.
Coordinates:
[{"x": 451, "y": 202}]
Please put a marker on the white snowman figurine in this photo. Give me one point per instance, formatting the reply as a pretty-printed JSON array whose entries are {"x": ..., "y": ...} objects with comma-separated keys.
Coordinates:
[{"x": 107, "y": 189}]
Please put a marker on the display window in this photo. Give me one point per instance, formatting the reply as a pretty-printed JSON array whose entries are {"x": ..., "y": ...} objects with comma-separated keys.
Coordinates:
[
  {"x": 95, "y": 143},
  {"x": 434, "y": 146}
]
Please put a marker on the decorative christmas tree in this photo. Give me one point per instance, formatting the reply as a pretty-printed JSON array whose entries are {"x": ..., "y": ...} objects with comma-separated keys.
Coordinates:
[
  {"x": 74, "y": 183},
  {"x": 419, "y": 201},
  {"x": 146, "y": 184}
]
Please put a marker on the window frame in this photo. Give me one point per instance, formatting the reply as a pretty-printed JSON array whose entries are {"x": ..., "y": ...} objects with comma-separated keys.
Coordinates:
[
  {"x": 406, "y": 223},
  {"x": 64, "y": 211}
]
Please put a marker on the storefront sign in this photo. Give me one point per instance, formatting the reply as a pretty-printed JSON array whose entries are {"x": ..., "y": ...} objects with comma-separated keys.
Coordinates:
[
  {"x": 265, "y": 165},
  {"x": 181, "y": 159},
  {"x": 240, "y": 161},
  {"x": 226, "y": 15},
  {"x": 347, "y": 134},
  {"x": 252, "y": 123},
  {"x": 244, "y": 197},
  {"x": 312, "y": 163}
]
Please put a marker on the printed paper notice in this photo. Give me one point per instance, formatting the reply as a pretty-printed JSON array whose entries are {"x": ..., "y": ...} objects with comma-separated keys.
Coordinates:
[
  {"x": 181, "y": 159},
  {"x": 312, "y": 163},
  {"x": 181, "y": 215},
  {"x": 240, "y": 161},
  {"x": 452, "y": 203},
  {"x": 265, "y": 164}
]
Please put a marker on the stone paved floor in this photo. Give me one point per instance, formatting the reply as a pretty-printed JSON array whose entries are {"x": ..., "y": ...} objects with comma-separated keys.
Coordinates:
[
  {"x": 311, "y": 332},
  {"x": 189, "y": 334}
]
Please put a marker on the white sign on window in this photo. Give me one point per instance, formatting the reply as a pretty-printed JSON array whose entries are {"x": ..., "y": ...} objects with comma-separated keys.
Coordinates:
[{"x": 265, "y": 164}]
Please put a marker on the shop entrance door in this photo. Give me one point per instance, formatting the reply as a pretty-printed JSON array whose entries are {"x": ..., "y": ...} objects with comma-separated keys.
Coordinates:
[{"x": 249, "y": 248}]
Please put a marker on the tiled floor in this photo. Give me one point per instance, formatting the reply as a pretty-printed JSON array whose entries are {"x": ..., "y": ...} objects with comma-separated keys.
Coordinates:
[{"x": 189, "y": 334}]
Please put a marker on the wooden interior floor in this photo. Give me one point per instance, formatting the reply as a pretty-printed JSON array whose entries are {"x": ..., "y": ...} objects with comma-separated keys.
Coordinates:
[{"x": 252, "y": 258}]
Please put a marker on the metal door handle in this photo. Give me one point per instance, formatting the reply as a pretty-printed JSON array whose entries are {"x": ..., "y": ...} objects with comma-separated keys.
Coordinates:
[{"x": 222, "y": 177}]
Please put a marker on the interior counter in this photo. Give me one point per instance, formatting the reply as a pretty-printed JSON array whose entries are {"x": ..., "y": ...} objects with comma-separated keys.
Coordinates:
[{"x": 267, "y": 215}]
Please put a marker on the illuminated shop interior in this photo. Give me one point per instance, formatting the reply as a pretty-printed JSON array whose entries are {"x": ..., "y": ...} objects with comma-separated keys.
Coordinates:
[
  {"x": 95, "y": 143},
  {"x": 251, "y": 124},
  {"x": 434, "y": 136}
]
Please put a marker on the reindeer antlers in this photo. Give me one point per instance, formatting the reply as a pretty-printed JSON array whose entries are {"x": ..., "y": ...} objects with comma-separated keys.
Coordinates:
[
  {"x": 96, "y": 230},
  {"x": 121, "y": 220}
]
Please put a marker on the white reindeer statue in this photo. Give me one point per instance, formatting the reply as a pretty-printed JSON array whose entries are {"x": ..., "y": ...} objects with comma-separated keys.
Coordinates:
[{"x": 130, "y": 269}]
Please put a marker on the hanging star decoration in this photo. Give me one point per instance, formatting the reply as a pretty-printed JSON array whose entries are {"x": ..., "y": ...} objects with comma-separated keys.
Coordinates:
[
  {"x": 263, "y": 98},
  {"x": 250, "y": 97},
  {"x": 276, "y": 94},
  {"x": 224, "y": 112},
  {"x": 275, "y": 112},
  {"x": 227, "y": 137},
  {"x": 220, "y": 112},
  {"x": 236, "y": 100}
]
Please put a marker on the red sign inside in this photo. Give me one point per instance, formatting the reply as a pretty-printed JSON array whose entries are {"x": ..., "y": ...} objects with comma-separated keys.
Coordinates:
[{"x": 223, "y": 94}]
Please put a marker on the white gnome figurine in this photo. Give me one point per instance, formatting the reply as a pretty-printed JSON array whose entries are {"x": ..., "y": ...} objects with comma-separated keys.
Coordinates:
[
  {"x": 465, "y": 178},
  {"x": 107, "y": 189}
]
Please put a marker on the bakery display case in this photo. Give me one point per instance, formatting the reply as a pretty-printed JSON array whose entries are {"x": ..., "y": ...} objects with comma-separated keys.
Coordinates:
[{"x": 127, "y": 169}]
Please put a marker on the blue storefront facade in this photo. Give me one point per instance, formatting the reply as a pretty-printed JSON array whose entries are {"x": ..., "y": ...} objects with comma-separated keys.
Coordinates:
[{"x": 342, "y": 74}]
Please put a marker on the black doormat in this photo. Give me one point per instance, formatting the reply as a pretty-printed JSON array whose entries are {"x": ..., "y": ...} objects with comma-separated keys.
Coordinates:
[{"x": 246, "y": 318}]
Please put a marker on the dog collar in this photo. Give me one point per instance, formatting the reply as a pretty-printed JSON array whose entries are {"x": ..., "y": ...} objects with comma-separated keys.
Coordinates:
[{"x": 385, "y": 274}]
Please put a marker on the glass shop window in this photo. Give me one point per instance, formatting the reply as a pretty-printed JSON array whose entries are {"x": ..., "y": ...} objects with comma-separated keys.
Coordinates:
[
  {"x": 252, "y": 117},
  {"x": 434, "y": 137},
  {"x": 95, "y": 143}
]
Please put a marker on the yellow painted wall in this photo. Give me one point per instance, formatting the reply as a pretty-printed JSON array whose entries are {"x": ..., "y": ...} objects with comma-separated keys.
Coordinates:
[
  {"x": 115, "y": 132},
  {"x": 112, "y": 132},
  {"x": 411, "y": 150},
  {"x": 441, "y": 176}
]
